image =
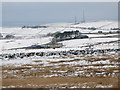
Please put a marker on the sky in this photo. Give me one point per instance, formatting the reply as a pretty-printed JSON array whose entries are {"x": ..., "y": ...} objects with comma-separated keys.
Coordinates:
[
  {"x": 36, "y": 13},
  {"x": 59, "y": 0}
]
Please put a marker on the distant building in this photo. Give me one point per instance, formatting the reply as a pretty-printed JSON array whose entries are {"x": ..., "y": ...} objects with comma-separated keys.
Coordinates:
[
  {"x": 67, "y": 35},
  {"x": 9, "y": 36},
  {"x": 100, "y": 32},
  {"x": 81, "y": 37},
  {"x": 1, "y": 36}
]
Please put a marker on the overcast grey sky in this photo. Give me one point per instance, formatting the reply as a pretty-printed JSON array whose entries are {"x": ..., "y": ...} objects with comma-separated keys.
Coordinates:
[{"x": 35, "y": 13}]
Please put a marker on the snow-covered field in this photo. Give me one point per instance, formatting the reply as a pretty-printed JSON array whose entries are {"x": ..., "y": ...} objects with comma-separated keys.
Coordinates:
[{"x": 71, "y": 60}]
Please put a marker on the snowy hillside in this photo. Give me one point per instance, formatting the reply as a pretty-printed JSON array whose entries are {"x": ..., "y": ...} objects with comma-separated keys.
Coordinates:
[
  {"x": 29, "y": 36},
  {"x": 78, "y": 63}
]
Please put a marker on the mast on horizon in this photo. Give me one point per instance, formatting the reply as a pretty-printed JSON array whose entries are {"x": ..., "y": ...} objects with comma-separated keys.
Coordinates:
[
  {"x": 75, "y": 20},
  {"x": 83, "y": 16}
]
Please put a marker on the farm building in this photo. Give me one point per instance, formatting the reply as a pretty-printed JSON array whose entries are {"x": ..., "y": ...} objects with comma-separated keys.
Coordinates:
[
  {"x": 1, "y": 36},
  {"x": 67, "y": 35},
  {"x": 9, "y": 36}
]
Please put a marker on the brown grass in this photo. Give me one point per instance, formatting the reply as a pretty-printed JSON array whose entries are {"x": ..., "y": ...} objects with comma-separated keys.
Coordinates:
[
  {"x": 60, "y": 80},
  {"x": 97, "y": 59},
  {"x": 15, "y": 68},
  {"x": 37, "y": 61},
  {"x": 37, "y": 70},
  {"x": 114, "y": 60},
  {"x": 65, "y": 61}
]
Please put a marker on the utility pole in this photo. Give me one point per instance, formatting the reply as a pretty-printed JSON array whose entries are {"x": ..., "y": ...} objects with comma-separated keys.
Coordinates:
[
  {"x": 83, "y": 16},
  {"x": 75, "y": 20}
]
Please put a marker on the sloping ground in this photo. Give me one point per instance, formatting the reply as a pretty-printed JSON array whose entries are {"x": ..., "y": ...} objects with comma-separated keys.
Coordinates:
[
  {"x": 18, "y": 31},
  {"x": 27, "y": 37},
  {"x": 75, "y": 43},
  {"x": 84, "y": 42},
  {"x": 61, "y": 82},
  {"x": 96, "y": 70},
  {"x": 81, "y": 71},
  {"x": 98, "y": 24},
  {"x": 19, "y": 43}
]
